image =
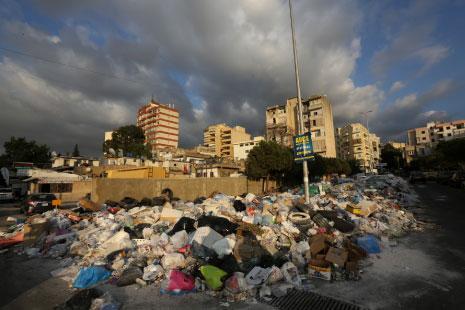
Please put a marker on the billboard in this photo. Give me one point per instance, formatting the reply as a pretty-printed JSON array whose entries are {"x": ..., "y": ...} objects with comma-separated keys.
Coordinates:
[{"x": 303, "y": 147}]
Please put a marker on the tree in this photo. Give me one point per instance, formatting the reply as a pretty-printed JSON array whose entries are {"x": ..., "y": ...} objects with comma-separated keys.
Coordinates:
[
  {"x": 392, "y": 157},
  {"x": 20, "y": 150},
  {"x": 268, "y": 160},
  {"x": 354, "y": 165},
  {"x": 76, "y": 151},
  {"x": 130, "y": 139}
]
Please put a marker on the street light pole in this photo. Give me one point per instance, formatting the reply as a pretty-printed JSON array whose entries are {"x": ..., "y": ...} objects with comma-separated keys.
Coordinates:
[{"x": 301, "y": 127}]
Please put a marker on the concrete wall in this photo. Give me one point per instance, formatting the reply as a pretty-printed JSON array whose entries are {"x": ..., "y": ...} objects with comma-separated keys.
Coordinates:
[
  {"x": 186, "y": 189},
  {"x": 80, "y": 189}
]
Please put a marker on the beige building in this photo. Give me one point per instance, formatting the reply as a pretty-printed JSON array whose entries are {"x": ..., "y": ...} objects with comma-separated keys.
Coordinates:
[
  {"x": 221, "y": 138},
  {"x": 242, "y": 149},
  {"x": 424, "y": 139},
  {"x": 160, "y": 124},
  {"x": 354, "y": 141},
  {"x": 282, "y": 121}
]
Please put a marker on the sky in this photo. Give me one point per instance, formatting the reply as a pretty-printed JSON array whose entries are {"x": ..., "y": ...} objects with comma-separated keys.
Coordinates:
[{"x": 71, "y": 70}]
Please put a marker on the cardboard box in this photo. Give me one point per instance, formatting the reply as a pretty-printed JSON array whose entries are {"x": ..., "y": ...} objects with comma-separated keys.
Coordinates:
[
  {"x": 354, "y": 209},
  {"x": 337, "y": 256},
  {"x": 319, "y": 269},
  {"x": 317, "y": 244},
  {"x": 32, "y": 232},
  {"x": 170, "y": 215}
]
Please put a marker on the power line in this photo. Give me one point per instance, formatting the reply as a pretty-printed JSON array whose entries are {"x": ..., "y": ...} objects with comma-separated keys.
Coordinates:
[{"x": 72, "y": 66}]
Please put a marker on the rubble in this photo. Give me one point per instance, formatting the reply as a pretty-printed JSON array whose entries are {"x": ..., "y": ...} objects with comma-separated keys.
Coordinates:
[{"x": 239, "y": 247}]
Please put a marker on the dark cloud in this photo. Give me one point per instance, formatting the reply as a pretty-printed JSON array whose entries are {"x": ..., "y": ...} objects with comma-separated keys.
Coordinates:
[
  {"x": 216, "y": 61},
  {"x": 413, "y": 111}
]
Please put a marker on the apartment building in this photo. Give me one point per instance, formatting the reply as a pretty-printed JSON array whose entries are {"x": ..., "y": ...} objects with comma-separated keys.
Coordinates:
[
  {"x": 424, "y": 139},
  {"x": 160, "y": 123},
  {"x": 242, "y": 149},
  {"x": 354, "y": 141},
  {"x": 282, "y": 123},
  {"x": 221, "y": 138}
]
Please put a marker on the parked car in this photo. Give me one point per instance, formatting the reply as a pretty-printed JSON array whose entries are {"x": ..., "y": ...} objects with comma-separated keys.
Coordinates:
[
  {"x": 457, "y": 179},
  {"x": 417, "y": 176},
  {"x": 444, "y": 176},
  {"x": 37, "y": 203},
  {"x": 6, "y": 194}
]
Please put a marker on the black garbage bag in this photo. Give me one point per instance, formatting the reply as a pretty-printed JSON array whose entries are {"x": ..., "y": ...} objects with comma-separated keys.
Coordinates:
[
  {"x": 146, "y": 202},
  {"x": 218, "y": 224},
  {"x": 168, "y": 193},
  {"x": 81, "y": 300},
  {"x": 228, "y": 263},
  {"x": 184, "y": 223},
  {"x": 340, "y": 224},
  {"x": 129, "y": 276},
  {"x": 139, "y": 228},
  {"x": 159, "y": 201},
  {"x": 112, "y": 203},
  {"x": 239, "y": 206},
  {"x": 199, "y": 200},
  {"x": 131, "y": 232},
  {"x": 129, "y": 203}
]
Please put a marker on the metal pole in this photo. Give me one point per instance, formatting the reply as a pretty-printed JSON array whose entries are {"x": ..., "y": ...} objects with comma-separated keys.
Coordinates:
[{"x": 301, "y": 127}]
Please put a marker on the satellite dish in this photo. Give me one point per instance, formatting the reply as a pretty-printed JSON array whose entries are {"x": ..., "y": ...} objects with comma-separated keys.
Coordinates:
[
  {"x": 54, "y": 154},
  {"x": 112, "y": 151},
  {"x": 6, "y": 175}
]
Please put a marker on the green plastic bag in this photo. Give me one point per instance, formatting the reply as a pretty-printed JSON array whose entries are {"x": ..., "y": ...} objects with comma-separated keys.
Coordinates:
[
  {"x": 213, "y": 276},
  {"x": 313, "y": 190}
]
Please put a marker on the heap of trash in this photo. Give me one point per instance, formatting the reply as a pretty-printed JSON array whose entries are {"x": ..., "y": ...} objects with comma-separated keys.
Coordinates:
[{"x": 235, "y": 248}]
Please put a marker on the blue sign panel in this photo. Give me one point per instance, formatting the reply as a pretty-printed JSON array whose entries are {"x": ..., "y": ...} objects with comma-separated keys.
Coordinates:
[{"x": 303, "y": 147}]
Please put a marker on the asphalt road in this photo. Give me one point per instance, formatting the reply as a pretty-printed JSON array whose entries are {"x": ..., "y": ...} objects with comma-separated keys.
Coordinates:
[{"x": 425, "y": 270}]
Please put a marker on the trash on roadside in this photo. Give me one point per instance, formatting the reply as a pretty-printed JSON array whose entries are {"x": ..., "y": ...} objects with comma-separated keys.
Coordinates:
[{"x": 90, "y": 276}]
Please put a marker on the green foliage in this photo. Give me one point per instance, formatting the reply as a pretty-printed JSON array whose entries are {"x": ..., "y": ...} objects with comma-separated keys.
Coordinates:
[
  {"x": 268, "y": 159},
  {"x": 446, "y": 155},
  {"x": 392, "y": 157},
  {"x": 76, "y": 151},
  {"x": 130, "y": 139},
  {"x": 354, "y": 165},
  {"x": 21, "y": 150}
]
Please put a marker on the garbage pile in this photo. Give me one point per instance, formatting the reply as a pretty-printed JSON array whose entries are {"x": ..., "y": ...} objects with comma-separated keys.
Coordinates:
[{"x": 233, "y": 247}]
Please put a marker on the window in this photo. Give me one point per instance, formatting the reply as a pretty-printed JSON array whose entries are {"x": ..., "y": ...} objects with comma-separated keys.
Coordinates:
[
  {"x": 449, "y": 134},
  {"x": 313, "y": 122},
  {"x": 423, "y": 138},
  {"x": 315, "y": 113},
  {"x": 274, "y": 120},
  {"x": 247, "y": 151},
  {"x": 422, "y": 131},
  {"x": 211, "y": 174}
]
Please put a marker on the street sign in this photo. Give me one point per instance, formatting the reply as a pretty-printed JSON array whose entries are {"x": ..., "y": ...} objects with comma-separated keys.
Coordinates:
[{"x": 303, "y": 147}]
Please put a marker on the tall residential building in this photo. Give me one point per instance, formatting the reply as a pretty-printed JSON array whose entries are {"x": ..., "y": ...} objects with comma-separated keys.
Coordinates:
[
  {"x": 423, "y": 139},
  {"x": 221, "y": 138},
  {"x": 242, "y": 149},
  {"x": 160, "y": 123},
  {"x": 282, "y": 122},
  {"x": 354, "y": 141}
]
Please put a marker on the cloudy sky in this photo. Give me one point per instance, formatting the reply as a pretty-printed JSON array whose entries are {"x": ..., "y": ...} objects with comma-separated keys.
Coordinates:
[{"x": 71, "y": 70}]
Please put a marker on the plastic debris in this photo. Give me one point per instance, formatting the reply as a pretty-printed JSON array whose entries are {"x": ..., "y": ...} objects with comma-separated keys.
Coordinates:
[
  {"x": 213, "y": 276},
  {"x": 90, "y": 276}
]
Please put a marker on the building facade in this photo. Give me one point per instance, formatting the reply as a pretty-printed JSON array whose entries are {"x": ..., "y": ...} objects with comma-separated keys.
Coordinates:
[
  {"x": 282, "y": 124},
  {"x": 221, "y": 138},
  {"x": 354, "y": 141},
  {"x": 160, "y": 124},
  {"x": 242, "y": 149},
  {"x": 422, "y": 140}
]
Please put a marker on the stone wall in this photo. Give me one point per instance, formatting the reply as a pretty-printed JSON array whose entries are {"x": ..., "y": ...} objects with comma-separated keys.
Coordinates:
[{"x": 186, "y": 189}]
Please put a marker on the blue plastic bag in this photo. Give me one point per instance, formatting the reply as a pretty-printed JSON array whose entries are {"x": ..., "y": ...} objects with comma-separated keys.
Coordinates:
[
  {"x": 369, "y": 243},
  {"x": 90, "y": 276}
]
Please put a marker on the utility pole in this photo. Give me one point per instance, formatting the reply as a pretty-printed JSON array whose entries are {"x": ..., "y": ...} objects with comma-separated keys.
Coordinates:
[{"x": 301, "y": 127}]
